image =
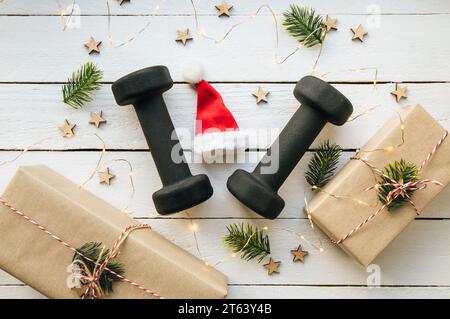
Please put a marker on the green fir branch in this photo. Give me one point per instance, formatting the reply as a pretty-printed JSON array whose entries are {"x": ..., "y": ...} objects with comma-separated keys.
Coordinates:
[
  {"x": 92, "y": 250},
  {"x": 248, "y": 241},
  {"x": 305, "y": 25},
  {"x": 399, "y": 171},
  {"x": 81, "y": 85},
  {"x": 323, "y": 164}
]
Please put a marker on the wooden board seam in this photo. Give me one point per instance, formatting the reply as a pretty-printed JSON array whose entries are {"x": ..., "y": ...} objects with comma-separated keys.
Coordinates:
[
  {"x": 303, "y": 285},
  {"x": 247, "y": 82}
]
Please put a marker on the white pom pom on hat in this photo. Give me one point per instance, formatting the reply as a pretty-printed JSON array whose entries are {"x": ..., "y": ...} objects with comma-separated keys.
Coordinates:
[{"x": 193, "y": 72}]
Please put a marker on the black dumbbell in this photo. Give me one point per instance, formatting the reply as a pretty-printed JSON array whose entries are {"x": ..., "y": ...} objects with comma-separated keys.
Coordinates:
[
  {"x": 320, "y": 103},
  {"x": 144, "y": 89}
]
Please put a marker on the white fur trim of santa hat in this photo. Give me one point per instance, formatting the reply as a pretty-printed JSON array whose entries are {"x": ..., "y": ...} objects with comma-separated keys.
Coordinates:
[{"x": 226, "y": 141}]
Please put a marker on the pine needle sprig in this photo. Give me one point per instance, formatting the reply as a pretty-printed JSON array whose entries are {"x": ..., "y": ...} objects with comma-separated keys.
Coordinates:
[
  {"x": 305, "y": 25},
  {"x": 323, "y": 164},
  {"x": 92, "y": 250},
  {"x": 248, "y": 241},
  {"x": 399, "y": 171},
  {"x": 81, "y": 85}
]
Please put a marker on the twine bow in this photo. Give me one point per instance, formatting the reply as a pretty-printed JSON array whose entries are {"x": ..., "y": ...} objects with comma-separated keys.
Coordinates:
[
  {"x": 91, "y": 279},
  {"x": 400, "y": 189}
]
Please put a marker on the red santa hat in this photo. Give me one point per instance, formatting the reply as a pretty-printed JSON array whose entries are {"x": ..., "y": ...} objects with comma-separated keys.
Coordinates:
[{"x": 215, "y": 126}]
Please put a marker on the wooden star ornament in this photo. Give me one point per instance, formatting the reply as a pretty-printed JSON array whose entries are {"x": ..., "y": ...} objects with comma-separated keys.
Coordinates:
[
  {"x": 183, "y": 36},
  {"x": 96, "y": 119},
  {"x": 359, "y": 33},
  {"x": 299, "y": 254},
  {"x": 399, "y": 93},
  {"x": 67, "y": 129},
  {"x": 272, "y": 266},
  {"x": 261, "y": 95},
  {"x": 224, "y": 9},
  {"x": 92, "y": 45},
  {"x": 105, "y": 176},
  {"x": 330, "y": 23}
]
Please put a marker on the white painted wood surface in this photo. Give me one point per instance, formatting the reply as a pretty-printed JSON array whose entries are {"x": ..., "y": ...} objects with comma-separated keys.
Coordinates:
[{"x": 36, "y": 56}]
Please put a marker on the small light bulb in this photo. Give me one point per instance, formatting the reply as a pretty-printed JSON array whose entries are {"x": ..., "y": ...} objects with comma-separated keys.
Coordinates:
[
  {"x": 402, "y": 127},
  {"x": 389, "y": 148},
  {"x": 360, "y": 201},
  {"x": 265, "y": 228},
  {"x": 206, "y": 264},
  {"x": 302, "y": 237},
  {"x": 321, "y": 249},
  {"x": 201, "y": 32},
  {"x": 193, "y": 227},
  {"x": 314, "y": 187},
  {"x": 233, "y": 255}
]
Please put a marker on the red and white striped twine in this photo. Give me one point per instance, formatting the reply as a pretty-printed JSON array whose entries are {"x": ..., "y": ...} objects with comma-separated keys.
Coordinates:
[
  {"x": 400, "y": 189},
  {"x": 103, "y": 265},
  {"x": 433, "y": 150}
]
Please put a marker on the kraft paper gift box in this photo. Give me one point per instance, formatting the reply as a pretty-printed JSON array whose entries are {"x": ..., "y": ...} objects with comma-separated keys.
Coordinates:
[
  {"x": 338, "y": 216},
  {"x": 77, "y": 217}
]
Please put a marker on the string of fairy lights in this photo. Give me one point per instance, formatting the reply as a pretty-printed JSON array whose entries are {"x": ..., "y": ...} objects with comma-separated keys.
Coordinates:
[
  {"x": 101, "y": 163},
  {"x": 201, "y": 31},
  {"x": 131, "y": 39},
  {"x": 62, "y": 13}
]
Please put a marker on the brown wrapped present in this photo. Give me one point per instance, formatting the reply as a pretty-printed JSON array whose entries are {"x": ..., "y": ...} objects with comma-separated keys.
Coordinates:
[
  {"x": 339, "y": 215},
  {"x": 77, "y": 217}
]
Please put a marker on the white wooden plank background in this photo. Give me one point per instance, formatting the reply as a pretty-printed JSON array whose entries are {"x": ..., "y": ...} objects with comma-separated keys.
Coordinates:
[
  {"x": 36, "y": 57},
  {"x": 410, "y": 51}
]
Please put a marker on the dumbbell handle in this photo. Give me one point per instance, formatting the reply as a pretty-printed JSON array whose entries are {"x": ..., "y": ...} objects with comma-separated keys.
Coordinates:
[
  {"x": 158, "y": 129},
  {"x": 293, "y": 141}
]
